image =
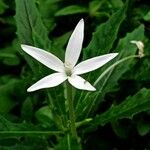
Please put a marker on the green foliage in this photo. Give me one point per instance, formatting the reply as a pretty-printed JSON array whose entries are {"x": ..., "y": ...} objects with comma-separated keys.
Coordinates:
[
  {"x": 74, "y": 9},
  {"x": 3, "y": 7},
  {"x": 105, "y": 35},
  {"x": 120, "y": 107},
  {"x": 109, "y": 81},
  {"x": 45, "y": 116},
  {"x": 27, "y": 110},
  {"x": 6, "y": 91},
  {"x": 127, "y": 109},
  {"x": 147, "y": 17},
  {"x": 9, "y": 55},
  {"x": 30, "y": 28}
]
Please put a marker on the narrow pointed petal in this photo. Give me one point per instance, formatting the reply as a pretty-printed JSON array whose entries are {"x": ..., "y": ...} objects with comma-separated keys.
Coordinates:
[
  {"x": 44, "y": 57},
  {"x": 74, "y": 46},
  {"x": 48, "y": 81},
  {"x": 93, "y": 63},
  {"x": 80, "y": 83}
]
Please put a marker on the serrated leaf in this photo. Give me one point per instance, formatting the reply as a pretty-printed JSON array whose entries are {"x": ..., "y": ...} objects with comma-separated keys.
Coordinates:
[
  {"x": 124, "y": 48},
  {"x": 31, "y": 143},
  {"x": 102, "y": 41},
  {"x": 10, "y": 129},
  {"x": 29, "y": 22},
  {"x": 30, "y": 28},
  {"x": 105, "y": 35},
  {"x": 109, "y": 81},
  {"x": 131, "y": 106},
  {"x": 70, "y": 10}
]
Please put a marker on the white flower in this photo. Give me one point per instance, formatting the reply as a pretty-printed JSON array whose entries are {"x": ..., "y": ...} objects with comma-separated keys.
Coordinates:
[{"x": 67, "y": 70}]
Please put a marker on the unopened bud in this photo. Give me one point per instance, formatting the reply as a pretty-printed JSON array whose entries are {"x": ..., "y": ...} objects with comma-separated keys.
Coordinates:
[{"x": 140, "y": 46}]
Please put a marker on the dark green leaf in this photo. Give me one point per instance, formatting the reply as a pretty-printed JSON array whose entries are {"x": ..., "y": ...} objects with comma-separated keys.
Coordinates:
[
  {"x": 3, "y": 7},
  {"x": 27, "y": 110},
  {"x": 131, "y": 106},
  {"x": 69, "y": 10},
  {"x": 143, "y": 127},
  {"x": 147, "y": 17},
  {"x": 105, "y": 35},
  {"x": 110, "y": 80},
  {"x": 6, "y": 95},
  {"x": 30, "y": 28},
  {"x": 44, "y": 115}
]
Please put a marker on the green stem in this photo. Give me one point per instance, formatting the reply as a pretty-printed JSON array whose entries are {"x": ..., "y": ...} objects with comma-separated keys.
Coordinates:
[
  {"x": 112, "y": 66},
  {"x": 71, "y": 111},
  {"x": 68, "y": 142}
]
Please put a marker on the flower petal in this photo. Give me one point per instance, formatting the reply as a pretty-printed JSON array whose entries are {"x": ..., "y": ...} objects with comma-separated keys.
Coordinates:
[
  {"x": 74, "y": 46},
  {"x": 48, "y": 81},
  {"x": 46, "y": 58},
  {"x": 93, "y": 63},
  {"x": 80, "y": 83}
]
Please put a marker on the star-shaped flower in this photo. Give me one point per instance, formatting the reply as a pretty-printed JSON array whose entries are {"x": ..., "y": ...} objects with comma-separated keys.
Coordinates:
[{"x": 67, "y": 70}]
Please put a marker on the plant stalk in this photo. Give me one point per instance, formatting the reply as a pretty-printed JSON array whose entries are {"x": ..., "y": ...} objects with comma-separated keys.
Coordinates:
[{"x": 71, "y": 111}]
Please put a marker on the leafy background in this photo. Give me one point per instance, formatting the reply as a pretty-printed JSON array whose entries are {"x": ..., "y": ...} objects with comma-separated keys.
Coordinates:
[{"x": 121, "y": 106}]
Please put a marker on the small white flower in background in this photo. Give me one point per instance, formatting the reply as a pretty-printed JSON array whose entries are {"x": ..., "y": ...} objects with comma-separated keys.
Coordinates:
[
  {"x": 140, "y": 46},
  {"x": 67, "y": 70}
]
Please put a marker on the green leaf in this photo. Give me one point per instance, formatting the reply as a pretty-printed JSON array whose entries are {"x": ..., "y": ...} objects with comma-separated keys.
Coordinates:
[
  {"x": 29, "y": 24},
  {"x": 10, "y": 129},
  {"x": 27, "y": 110},
  {"x": 131, "y": 106},
  {"x": 59, "y": 44},
  {"x": 117, "y": 3},
  {"x": 124, "y": 48},
  {"x": 143, "y": 128},
  {"x": 30, "y": 28},
  {"x": 3, "y": 7},
  {"x": 6, "y": 91},
  {"x": 8, "y": 55},
  {"x": 70, "y": 10},
  {"x": 109, "y": 82},
  {"x": 105, "y": 34},
  {"x": 120, "y": 129},
  {"x": 44, "y": 115},
  {"x": 147, "y": 17}
]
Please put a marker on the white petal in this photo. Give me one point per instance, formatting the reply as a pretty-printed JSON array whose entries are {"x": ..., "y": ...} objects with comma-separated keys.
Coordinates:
[
  {"x": 80, "y": 83},
  {"x": 93, "y": 63},
  {"x": 74, "y": 46},
  {"x": 46, "y": 58},
  {"x": 48, "y": 81}
]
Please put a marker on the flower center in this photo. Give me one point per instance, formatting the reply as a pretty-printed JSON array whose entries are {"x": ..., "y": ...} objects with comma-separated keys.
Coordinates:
[{"x": 68, "y": 69}]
